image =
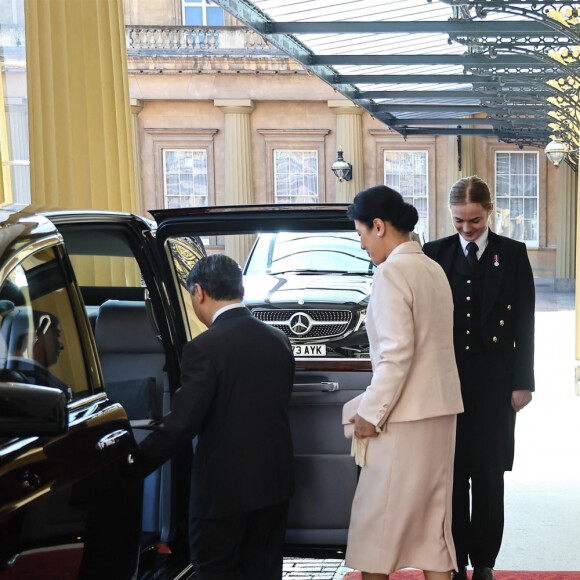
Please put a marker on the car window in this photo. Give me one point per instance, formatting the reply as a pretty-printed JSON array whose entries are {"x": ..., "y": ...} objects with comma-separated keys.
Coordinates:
[
  {"x": 39, "y": 337},
  {"x": 314, "y": 286},
  {"x": 322, "y": 252}
]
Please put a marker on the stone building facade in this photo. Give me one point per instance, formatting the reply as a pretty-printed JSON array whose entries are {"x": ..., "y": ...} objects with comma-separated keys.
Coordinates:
[
  {"x": 226, "y": 92},
  {"x": 220, "y": 117}
]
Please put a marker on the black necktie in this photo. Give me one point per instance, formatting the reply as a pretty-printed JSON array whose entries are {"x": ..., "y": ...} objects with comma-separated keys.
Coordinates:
[{"x": 472, "y": 255}]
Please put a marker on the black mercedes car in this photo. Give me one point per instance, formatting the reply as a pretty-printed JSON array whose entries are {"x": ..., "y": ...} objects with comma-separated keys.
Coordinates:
[
  {"x": 313, "y": 286},
  {"x": 93, "y": 319}
]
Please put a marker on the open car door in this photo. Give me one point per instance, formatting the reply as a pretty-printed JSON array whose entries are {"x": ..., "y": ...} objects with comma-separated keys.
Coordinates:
[{"x": 304, "y": 272}]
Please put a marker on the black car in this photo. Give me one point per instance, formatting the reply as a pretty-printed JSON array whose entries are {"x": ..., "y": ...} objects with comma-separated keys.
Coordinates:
[
  {"x": 313, "y": 286},
  {"x": 93, "y": 318}
]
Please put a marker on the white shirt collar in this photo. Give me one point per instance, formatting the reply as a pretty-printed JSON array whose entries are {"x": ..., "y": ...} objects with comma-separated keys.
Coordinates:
[
  {"x": 226, "y": 308},
  {"x": 481, "y": 243}
]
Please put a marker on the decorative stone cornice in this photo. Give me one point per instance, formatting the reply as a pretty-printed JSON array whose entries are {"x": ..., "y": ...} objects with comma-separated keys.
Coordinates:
[{"x": 180, "y": 64}]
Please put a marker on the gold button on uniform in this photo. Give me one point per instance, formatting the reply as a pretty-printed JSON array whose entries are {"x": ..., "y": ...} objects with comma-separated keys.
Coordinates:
[
  {"x": 466, "y": 348},
  {"x": 468, "y": 298},
  {"x": 468, "y": 332},
  {"x": 501, "y": 322},
  {"x": 494, "y": 339},
  {"x": 468, "y": 315},
  {"x": 469, "y": 281},
  {"x": 509, "y": 306}
]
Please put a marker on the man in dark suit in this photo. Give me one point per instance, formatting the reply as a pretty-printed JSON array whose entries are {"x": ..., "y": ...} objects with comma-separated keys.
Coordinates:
[
  {"x": 494, "y": 300},
  {"x": 236, "y": 380}
]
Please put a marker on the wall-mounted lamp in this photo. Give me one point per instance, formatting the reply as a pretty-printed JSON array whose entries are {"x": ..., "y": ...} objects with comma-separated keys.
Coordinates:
[
  {"x": 556, "y": 151},
  {"x": 341, "y": 168}
]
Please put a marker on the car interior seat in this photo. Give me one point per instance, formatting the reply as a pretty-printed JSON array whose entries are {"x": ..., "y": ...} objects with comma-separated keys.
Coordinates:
[{"x": 133, "y": 359}]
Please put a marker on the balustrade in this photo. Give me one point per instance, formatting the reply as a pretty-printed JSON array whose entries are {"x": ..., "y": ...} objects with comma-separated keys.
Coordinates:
[{"x": 186, "y": 39}]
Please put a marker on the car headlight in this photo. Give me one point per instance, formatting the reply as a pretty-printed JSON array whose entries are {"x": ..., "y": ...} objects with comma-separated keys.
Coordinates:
[{"x": 361, "y": 322}]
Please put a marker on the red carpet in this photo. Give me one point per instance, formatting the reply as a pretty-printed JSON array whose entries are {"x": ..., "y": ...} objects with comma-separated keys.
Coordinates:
[{"x": 499, "y": 575}]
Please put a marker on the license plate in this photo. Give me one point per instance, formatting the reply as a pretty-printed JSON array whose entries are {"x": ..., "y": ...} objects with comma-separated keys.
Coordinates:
[{"x": 309, "y": 349}]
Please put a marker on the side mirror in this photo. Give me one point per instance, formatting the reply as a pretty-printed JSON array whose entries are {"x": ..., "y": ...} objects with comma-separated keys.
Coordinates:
[{"x": 29, "y": 410}]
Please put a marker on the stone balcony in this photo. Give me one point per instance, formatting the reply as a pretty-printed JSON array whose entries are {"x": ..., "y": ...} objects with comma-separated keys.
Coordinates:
[
  {"x": 203, "y": 49},
  {"x": 176, "y": 41}
]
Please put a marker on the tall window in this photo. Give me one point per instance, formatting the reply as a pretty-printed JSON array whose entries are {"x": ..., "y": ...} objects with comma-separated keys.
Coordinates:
[
  {"x": 14, "y": 149},
  {"x": 406, "y": 172},
  {"x": 185, "y": 178},
  {"x": 295, "y": 176},
  {"x": 516, "y": 196},
  {"x": 202, "y": 13}
]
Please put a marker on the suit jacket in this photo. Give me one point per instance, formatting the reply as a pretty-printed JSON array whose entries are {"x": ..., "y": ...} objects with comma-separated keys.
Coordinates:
[
  {"x": 507, "y": 317},
  {"x": 410, "y": 329},
  {"x": 236, "y": 382}
]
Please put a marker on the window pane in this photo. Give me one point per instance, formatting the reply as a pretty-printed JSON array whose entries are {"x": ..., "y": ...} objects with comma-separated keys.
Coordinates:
[
  {"x": 502, "y": 163},
  {"x": 516, "y": 185},
  {"x": 186, "y": 185},
  {"x": 530, "y": 184},
  {"x": 295, "y": 176},
  {"x": 186, "y": 181},
  {"x": 530, "y": 209},
  {"x": 502, "y": 187},
  {"x": 171, "y": 162},
  {"x": 215, "y": 16},
  {"x": 406, "y": 172},
  {"x": 517, "y": 163},
  {"x": 530, "y": 163},
  {"x": 193, "y": 16}
]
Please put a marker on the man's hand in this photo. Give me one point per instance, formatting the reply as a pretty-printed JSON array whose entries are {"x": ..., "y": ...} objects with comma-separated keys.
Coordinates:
[
  {"x": 362, "y": 428},
  {"x": 520, "y": 399}
]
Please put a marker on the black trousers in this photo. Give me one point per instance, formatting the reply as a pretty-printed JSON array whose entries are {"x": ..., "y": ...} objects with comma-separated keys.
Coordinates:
[
  {"x": 245, "y": 546},
  {"x": 478, "y": 496},
  {"x": 484, "y": 451},
  {"x": 477, "y": 532}
]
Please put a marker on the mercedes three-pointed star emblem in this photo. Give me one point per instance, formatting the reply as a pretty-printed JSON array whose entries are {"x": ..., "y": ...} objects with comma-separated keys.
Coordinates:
[{"x": 300, "y": 323}]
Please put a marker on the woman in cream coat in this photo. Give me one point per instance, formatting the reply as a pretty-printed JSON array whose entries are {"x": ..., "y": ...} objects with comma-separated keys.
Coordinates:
[{"x": 401, "y": 513}]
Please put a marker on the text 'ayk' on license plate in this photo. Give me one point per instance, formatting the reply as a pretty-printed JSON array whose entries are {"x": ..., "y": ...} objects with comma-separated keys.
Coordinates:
[{"x": 309, "y": 349}]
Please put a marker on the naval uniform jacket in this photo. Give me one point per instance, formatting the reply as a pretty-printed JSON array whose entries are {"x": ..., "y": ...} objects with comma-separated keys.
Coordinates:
[
  {"x": 494, "y": 337},
  {"x": 236, "y": 381}
]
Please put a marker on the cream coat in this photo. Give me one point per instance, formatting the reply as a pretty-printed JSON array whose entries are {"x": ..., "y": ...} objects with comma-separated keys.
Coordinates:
[
  {"x": 401, "y": 513},
  {"x": 411, "y": 337}
]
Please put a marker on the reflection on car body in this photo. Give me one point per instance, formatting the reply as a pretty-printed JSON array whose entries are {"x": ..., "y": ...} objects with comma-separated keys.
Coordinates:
[{"x": 313, "y": 286}]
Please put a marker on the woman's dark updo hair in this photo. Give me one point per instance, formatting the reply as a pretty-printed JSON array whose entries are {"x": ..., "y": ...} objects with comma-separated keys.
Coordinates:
[{"x": 386, "y": 204}]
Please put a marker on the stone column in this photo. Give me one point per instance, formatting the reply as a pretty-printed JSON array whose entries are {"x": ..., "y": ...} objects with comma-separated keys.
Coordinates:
[
  {"x": 81, "y": 150},
  {"x": 566, "y": 246},
  {"x": 349, "y": 136},
  {"x": 239, "y": 182},
  {"x": 136, "y": 108}
]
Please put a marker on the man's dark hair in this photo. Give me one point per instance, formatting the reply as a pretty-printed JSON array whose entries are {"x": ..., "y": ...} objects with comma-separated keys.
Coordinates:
[{"x": 219, "y": 276}]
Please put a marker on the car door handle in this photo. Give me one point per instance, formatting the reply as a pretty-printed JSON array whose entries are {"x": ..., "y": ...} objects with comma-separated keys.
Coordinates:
[
  {"x": 112, "y": 438},
  {"x": 322, "y": 387}
]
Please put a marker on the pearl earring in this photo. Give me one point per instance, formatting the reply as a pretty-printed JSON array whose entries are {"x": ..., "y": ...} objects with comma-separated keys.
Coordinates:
[{"x": 378, "y": 234}]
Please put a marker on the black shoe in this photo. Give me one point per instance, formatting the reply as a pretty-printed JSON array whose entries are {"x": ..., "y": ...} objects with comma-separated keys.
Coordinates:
[
  {"x": 461, "y": 575},
  {"x": 482, "y": 573}
]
